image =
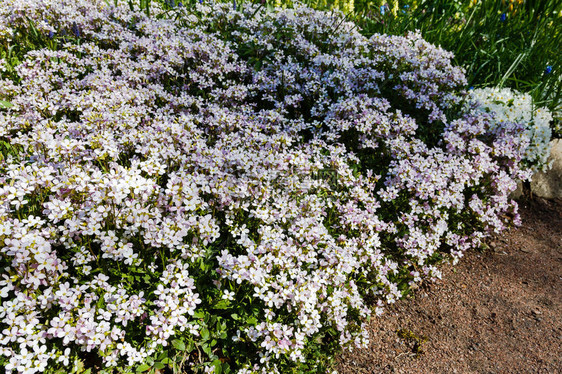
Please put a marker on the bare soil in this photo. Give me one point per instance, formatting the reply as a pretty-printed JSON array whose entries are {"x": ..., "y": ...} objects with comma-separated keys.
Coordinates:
[{"x": 497, "y": 311}]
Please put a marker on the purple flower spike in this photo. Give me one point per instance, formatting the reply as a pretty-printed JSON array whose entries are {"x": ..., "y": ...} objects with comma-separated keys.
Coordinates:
[{"x": 75, "y": 29}]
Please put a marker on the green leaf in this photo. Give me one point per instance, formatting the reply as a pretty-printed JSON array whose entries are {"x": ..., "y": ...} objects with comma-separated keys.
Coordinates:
[
  {"x": 5, "y": 104},
  {"x": 142, "y": 368},
  {"x": 226, "y": 368},
  {"x": 218, "y": 366},
  {"x": 159, "y": 365},
  {"x": 223, "y": 304},
  {"x": 190, "y": 346},
  {"x": 178, "y": 344},
  {"x": 207, "y": 349},
  {"x": 204, "y": 333}
]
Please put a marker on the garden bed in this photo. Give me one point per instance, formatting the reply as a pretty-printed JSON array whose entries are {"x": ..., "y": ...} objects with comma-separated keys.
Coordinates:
[
  {"x": 498, "y": 311},
  {"x": 222, "y": 187}
]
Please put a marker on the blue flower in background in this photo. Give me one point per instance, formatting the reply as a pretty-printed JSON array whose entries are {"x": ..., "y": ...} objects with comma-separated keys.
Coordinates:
[
  {"x": 383, "y": 9},
  {"x": 503, "y": 17},
  {"x": 180, "y": 4},
  {"x": 548, "y": 69},
  {"x": 234, "y": 4},
  {"x": 51, "y": 35},
  {"x": 75, "y": 29}
]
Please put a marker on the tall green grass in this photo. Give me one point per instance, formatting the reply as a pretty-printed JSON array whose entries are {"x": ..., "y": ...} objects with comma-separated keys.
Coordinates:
[{"x": 518, "y": 48}]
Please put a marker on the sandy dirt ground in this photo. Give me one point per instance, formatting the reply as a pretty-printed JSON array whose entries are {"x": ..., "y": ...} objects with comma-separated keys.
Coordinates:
[{"x": 498, "y": 311}]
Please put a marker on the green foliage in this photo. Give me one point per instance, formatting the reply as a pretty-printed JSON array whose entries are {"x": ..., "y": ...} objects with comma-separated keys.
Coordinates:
[{"x": 413, "y": 341}]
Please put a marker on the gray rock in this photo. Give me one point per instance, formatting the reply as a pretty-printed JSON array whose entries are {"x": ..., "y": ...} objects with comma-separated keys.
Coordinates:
[
  {"x": 548, "y": 184},
  {"x": 518, "y": 192}
]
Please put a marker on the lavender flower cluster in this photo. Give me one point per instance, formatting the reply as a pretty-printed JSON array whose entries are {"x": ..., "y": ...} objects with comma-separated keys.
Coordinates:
[{"x": 154, "y": 145}]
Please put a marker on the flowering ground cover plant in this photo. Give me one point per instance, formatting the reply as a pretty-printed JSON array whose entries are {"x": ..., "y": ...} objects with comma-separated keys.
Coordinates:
[{"x": 217, "y": 188}]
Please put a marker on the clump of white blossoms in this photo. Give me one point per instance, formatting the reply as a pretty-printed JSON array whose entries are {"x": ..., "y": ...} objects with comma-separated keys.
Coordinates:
[
  {"x": 236, "y": 186},
  {"x": 509, "y": 105}
]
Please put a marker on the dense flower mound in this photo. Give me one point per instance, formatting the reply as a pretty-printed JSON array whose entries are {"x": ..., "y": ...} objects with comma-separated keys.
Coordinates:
[{"x": 228, "y": 188}]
